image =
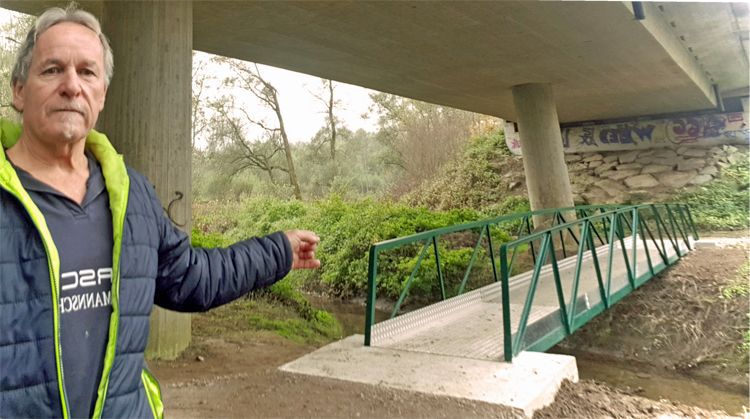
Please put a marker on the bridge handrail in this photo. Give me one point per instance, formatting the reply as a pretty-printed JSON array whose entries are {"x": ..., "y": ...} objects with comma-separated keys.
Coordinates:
[
  {"x": 400, "y": 241},
  {"x": 607, "y": 214},
  {"x": 431, "y": 235},
  {"x": 681, "y": 224}
]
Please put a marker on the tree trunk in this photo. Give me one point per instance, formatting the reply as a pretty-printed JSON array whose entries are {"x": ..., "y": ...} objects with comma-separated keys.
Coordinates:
[
  {"x": 287, "y": 151},
  {"x": 333, "y": 122}
]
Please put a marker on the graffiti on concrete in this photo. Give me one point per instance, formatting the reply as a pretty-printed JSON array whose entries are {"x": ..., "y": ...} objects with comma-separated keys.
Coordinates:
[
  {"x": 714, "y": 129},
  {"x": 690, "y": 130}
]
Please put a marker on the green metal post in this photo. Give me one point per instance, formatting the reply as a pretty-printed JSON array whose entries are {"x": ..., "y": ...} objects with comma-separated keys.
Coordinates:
[
  {"x": 411, "y": 278},
  {"x": 604, "y": 227},
  {"x": 577, "y": 274},
  {"x": 492, "y": 253},
  {"x": 521, "y": 332},
  {"x": 661, "y": 251},
  {"x": 645, "y": 247},
  {"x": 471, "y": 262},
  {"x": 692, "y": 224},
  {"x": 621, "y": 238},
  {"x": 515, "y": 249},
  {"x": 558, "y": 285},
  {"x": 684, "y": 228},
  {"x": 504, "y": 278},
  {"x": 674, "y": 232},
  {"x": 659, "y": 224},
  {"x": 372, "y": 273},
  {"x": 437, "y": 262},
  {"x": 680, "y": 226},
  {"x": 635, "y": 245},
  {"x": 531, "y": 243},
  {"x": 611, "y": 239},
  {"x": 562, "y": 239},
  {"x": 592, "y": 248},
  {"x": 596, "y": 231}
]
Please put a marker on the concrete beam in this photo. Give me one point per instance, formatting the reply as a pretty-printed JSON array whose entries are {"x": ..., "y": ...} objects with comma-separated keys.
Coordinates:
[
  {"x": 665, "y": 36},
  {"x": 147, "y": 118},
  {"x": 601, "y": 61}
]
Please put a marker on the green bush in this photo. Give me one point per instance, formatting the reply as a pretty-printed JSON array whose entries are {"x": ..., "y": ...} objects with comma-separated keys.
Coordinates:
[
  {"x": 201, "y": 239},
  {"x": 347, "y": 230},
  {"x": 721, "y": 205}
]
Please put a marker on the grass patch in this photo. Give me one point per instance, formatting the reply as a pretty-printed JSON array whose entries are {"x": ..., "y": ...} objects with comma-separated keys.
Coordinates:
[
  {"x": 739, "y": 286},
  {"x": 279, "y": 309},
  {"x": 721, "y": 205}
]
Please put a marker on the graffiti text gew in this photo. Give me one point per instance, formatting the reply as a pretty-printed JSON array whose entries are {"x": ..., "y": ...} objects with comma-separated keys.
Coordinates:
[{"x": 706, "y": 130}]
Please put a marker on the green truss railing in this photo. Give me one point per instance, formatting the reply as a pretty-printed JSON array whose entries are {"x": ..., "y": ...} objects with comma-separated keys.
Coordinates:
[{"x": 607, "y": 224}]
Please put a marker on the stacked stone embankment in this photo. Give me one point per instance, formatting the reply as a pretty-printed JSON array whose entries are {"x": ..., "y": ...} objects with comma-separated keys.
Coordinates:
[{"x": 647, "y": 175}]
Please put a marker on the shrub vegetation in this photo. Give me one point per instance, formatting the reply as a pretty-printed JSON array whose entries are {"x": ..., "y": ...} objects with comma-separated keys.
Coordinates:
[
  {"x": 347, "y": 230},
  {"x": 723, "y": 204}
]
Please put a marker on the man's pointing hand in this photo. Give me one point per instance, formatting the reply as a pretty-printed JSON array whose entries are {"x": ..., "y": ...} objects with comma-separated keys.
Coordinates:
[{"x": 304, "y": 243}]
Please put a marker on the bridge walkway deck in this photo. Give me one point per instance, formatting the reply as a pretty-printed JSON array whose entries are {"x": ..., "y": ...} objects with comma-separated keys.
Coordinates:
[{"x": 471, "y": 325}]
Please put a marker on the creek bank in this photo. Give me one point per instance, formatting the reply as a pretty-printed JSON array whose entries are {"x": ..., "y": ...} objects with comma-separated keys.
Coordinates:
[
  {"x": 683, "y": 324},
  {"x": 637, "y": 388}
]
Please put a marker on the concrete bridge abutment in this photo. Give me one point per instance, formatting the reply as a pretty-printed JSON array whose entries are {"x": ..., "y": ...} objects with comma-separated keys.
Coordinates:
[
  {"x": 544, "y": 164},
  {"x": 147, "y": 118}
]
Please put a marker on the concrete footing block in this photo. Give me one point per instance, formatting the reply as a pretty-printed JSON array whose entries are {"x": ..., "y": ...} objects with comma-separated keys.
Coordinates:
[
  {"x": 705, "y": 244},
  {"x": 529, "y": 383}
]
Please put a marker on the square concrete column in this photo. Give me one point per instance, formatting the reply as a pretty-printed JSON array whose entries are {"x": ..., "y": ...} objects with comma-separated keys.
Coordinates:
[
  {"x": 147, "y": 117},
  {"x": 547, "y": 177}
]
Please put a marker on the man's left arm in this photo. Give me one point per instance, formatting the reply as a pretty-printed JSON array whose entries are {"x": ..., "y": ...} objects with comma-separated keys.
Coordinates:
[{"x": 197, "y": 279}]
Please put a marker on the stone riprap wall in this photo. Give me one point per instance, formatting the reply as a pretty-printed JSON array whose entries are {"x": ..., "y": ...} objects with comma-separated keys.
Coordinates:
[{"x": 647, "y": 175}]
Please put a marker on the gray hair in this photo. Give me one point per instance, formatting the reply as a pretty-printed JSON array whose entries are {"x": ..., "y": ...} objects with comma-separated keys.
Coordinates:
[{"x": 48, "y": 19}]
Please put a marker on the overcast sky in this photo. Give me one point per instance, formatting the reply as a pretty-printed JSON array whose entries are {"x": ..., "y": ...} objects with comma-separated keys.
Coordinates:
[{"x": 302, "y": 112}]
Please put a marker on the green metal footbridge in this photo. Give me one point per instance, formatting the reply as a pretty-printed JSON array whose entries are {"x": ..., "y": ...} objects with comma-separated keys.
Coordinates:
[{"x": 539, "y": 286}]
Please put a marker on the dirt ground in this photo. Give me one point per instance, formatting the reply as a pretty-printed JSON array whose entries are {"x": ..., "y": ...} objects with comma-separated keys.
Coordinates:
[
  {"x": 235, "y": 374},
  {"x": 238, "y": 378}
]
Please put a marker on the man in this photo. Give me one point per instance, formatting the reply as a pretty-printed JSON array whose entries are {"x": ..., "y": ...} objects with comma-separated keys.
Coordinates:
[{"x": 85, "y": 249}]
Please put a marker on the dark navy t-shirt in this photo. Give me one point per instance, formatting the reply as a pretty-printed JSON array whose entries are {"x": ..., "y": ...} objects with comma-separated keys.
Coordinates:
[{"x": 83, "y": 237}]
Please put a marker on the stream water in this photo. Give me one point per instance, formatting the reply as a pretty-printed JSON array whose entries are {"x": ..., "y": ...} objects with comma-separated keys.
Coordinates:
[
  {"x": 657, "y": 386},
  {"x": 673, "y": 387}
]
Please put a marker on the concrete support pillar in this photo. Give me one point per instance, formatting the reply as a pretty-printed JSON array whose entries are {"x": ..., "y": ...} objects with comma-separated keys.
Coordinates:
[
  {"x": 147, "y": 118},
  {"x": 541, "y": 145}
]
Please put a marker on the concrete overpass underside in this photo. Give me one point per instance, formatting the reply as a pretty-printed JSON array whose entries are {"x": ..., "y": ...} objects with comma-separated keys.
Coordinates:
[
  {"x": 602, "y": 62},
  {"x": 535, "y": 63}
]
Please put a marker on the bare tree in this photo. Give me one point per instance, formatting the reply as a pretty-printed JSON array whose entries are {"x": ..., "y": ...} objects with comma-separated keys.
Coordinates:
[
  {"x": 249, "y": 79},
  {"x": 331, "y": 104},
  {"x": 12, "y": 33},
  {"x": 420, "y": 137},
  {"x": 229, "y": 132},
  {"x": 199, "y": 101}
]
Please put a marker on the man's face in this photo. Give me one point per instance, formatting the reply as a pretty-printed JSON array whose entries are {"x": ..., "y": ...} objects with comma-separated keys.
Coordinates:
[{"x": 65, "y": 91}]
